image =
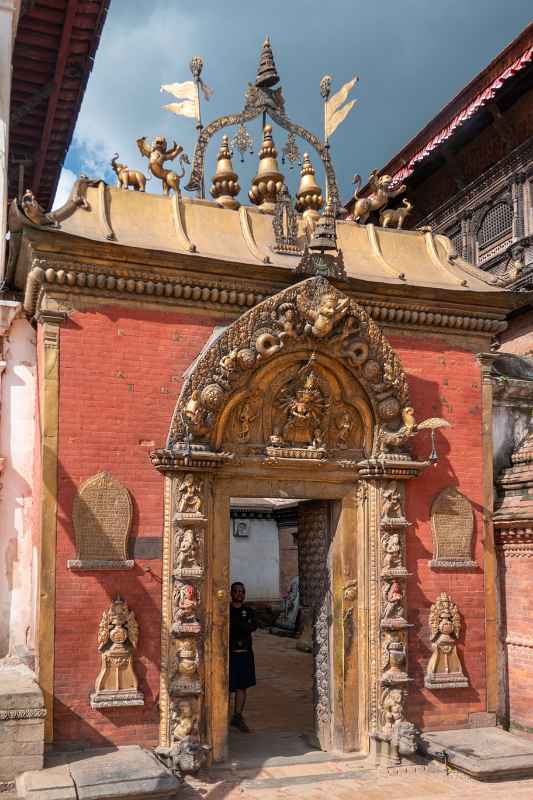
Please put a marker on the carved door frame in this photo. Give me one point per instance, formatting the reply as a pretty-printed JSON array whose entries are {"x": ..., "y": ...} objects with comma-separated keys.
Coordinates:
[{"x": 342, "y": 354}]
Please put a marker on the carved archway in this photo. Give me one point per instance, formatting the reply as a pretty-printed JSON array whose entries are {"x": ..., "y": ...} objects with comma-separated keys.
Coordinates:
[
  {"x": 297, "y": 395},
  {"x": 312, "y": 322}
]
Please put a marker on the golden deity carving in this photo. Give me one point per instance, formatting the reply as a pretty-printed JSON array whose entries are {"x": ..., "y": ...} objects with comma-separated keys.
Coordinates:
[
  {"x": 322, "y": 319},
  {"x": 128, "y": 177},
  {"x": 444, "y": 668},
  {"x": 186, "y": 678},
  {"x": 304, "y": 406},
  {"x": 118, "y": 635},
  {"x": 190, "y": 496},
  {"x": 381, "y": 193},
  {"x": 187, "y": 554},
  {"x": 185, "y": 607},
  {"x": 157, "y": 154},
  {"x": 245, "y": 418}
]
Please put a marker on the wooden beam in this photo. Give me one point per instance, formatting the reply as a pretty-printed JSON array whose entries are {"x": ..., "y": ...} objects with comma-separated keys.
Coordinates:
[{"x": 64, "y": 49}]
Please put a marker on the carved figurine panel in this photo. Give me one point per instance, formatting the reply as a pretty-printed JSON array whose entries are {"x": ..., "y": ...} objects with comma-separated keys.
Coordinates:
[
  {"x": 299, "y": 408},
  {"x": 188, "y": 551},
  {"x": 452, "y": 523},
  {"x": 118, "y": 636},
  {"x": 444, "y": 670},
  {"x": 190, "y": 499}
]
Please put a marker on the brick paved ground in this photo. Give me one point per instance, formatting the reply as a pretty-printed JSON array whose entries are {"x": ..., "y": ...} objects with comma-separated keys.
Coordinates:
[{"x": 280, "y": 710}]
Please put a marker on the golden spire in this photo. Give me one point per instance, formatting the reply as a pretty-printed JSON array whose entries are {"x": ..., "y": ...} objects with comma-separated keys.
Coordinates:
[
  {"x": 309, "y": 198},
  {"x": 225, "y": 181},
  {"x": 268, "y": 183}
]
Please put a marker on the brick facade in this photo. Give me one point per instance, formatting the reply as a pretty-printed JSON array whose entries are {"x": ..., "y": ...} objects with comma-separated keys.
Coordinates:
[{"x": 120, "y": 375}]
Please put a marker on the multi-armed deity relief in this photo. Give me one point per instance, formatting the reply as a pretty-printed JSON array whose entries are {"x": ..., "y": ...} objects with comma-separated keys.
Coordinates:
[{"x": 444, "y": 670}]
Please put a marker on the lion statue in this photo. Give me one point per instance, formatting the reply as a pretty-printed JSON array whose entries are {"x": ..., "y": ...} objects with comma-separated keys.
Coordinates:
[{"x": 378, "y": 198}]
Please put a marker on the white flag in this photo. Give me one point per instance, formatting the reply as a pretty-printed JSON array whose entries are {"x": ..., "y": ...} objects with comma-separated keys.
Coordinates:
[
  {"x": 183, "y": 91},
  {"x": 335, "y": 111},
  {"x": 187, "y": 108}
]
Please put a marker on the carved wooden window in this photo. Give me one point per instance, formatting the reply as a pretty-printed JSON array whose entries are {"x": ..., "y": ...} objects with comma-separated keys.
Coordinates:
[
  {"x": 497, "y": 222},
  {"x": 456, "y": 237}
]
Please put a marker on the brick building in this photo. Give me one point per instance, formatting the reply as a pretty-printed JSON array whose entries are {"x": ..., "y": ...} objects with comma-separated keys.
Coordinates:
[{"x": 469, "y": 175}]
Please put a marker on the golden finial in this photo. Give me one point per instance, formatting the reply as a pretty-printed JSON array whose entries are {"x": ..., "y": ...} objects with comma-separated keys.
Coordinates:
[
  {"x": 267, "y": 74},
  {"x": 325, "y": 234},
  {"x": 309, "y": 198},
  {"x": 225, "y": 181},
  {"x": 268, "y": 183}
]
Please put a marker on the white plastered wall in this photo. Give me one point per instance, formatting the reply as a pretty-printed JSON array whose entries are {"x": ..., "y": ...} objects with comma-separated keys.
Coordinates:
[
  {"x": 17, "y": 421},
  {"x": 255, "y": 560}
]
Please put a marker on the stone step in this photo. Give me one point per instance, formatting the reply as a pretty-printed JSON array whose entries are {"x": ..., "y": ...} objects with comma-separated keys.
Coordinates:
[
  {"x": 486, "y": 754},
  {"x": 131, "y": 772}
]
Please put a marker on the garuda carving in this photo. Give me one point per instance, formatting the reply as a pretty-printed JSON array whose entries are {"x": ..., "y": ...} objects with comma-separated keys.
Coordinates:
[{"x": 312, "y": 315}]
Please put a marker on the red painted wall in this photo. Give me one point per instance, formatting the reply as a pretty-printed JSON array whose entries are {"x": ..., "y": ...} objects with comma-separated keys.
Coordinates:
[
  {"x": 120, "y": 375},
  {"x": 444, "y": 382}
]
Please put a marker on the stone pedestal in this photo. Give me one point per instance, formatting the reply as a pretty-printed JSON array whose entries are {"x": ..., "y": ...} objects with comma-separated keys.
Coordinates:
[{"x": 22, "y": 715}]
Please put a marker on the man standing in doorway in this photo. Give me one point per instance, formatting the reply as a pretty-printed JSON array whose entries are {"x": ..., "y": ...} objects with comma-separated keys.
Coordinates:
[{"x": 241, "y": 656}]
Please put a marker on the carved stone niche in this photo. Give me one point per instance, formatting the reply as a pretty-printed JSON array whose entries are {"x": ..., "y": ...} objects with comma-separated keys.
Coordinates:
[
  {"x": 101, "y": 516},
  {"x": 444, "y": 670},
  {"x": 452, "y": 523}
]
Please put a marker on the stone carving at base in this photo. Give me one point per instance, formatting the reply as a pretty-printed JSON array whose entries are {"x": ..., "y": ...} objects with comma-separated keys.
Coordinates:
[
  {"x": 118, "y": 635},
  {"x": 186, "y": 753},
  {"x": 444, "y": 669},
  {"x": 452, "y": 523}
]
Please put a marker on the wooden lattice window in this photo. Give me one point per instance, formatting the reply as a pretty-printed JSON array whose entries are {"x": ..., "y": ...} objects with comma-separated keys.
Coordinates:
[
  {"x": 497, "y": 222},
  {"x": 456, "y": 237}
]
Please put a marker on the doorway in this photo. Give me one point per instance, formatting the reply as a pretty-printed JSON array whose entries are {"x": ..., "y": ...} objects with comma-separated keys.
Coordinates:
[
  {"x": 267, "y": 556},
  {"x": 330, "y": 698}
]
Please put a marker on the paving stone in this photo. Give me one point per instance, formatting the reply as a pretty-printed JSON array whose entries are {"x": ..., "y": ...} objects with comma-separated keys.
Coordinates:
[
  {"x": 125, "y": 772},
  {"x": 53, "y": 783},
  {"x": 486, "y": 754}
]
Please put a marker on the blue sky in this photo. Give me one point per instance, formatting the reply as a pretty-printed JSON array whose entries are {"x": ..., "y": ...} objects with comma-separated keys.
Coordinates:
[{"x": 411, "y": 56}]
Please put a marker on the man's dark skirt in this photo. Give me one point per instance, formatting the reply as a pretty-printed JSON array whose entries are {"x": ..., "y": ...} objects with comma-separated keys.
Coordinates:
[{"x": 241, "y": 670}]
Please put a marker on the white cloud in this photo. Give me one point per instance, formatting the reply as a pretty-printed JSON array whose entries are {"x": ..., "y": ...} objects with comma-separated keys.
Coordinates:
[{"x": 64, "y": 187}]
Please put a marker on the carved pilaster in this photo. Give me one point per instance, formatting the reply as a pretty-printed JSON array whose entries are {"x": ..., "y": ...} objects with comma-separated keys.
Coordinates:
[
  {"x": 389, "y": 676},
  {"x": 468, "y": 246},
  {"x": 516, "y": 187}
]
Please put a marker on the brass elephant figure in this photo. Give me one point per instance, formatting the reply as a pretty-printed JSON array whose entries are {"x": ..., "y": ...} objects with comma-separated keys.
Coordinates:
[
  {"x": 379, "y": 197},
  {"x": 395, "y": 217},
  {"x": 128, "y": 177}
]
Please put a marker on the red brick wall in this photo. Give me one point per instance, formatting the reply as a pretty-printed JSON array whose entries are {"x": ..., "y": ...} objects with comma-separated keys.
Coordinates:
[
  {"x": 517, "y": 611},
  {"x": 444, "y": 382},
  {"x": 120, "y": 375}
]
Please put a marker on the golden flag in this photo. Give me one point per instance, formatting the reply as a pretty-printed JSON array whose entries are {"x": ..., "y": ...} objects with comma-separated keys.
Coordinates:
[
  {"x": 187, "y": 108},
  {"x": 336, "y": 112}
]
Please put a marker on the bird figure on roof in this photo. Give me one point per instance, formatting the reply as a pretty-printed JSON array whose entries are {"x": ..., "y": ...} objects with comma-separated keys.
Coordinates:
[{"x": 388, "y": 441}]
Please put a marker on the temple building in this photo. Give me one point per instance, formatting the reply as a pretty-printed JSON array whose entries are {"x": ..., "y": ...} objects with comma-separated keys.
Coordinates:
[{"x": 206, "y": 364}]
